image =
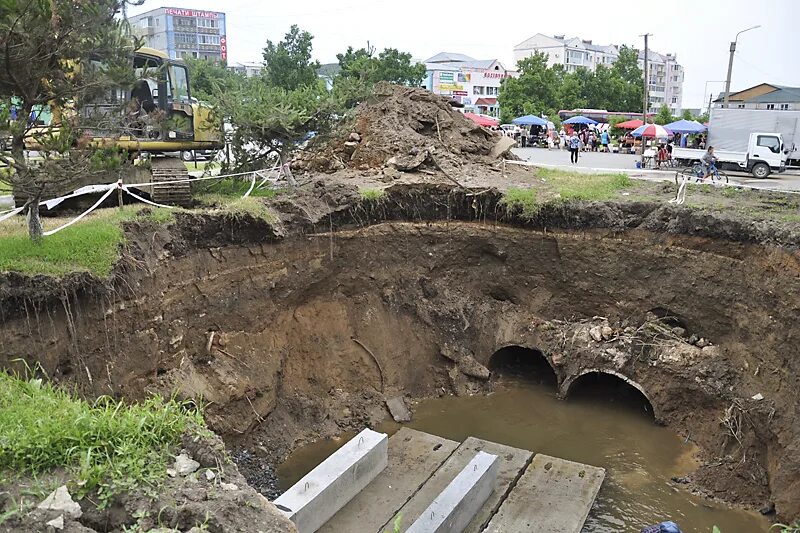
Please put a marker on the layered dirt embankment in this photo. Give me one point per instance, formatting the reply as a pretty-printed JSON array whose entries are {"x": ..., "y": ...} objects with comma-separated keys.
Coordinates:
[{"x": 303, "y": 329}]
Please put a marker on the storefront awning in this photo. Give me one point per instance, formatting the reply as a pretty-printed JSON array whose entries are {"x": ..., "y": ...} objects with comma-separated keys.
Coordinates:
[{"x": 487, "y": 102}]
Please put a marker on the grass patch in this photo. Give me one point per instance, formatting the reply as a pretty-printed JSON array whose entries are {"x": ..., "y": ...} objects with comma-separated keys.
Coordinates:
[
  {"x": 372, "y": 195},
  {"x": 91, "y": 245},
  {"x": 575, "y": 186},
  {"x": 108, "y": 446},
  {"x": 252, "y": 206},
  {"x": 232, "y": 188},
  {"x": 202, "y": 165},
  {"x": 523, "y": 201}
]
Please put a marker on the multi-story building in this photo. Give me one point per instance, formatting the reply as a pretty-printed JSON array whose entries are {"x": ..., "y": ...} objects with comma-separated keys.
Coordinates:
[
  {"x": 472, "y": 82},
  {"x": 184, "y": 33},
  {"x": 251, "y": 69},
  {"x": 665, "y": 76}
]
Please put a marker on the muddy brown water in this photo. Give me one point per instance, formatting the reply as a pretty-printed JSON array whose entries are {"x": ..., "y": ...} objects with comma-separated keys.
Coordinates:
[{"x": 601, "y": 424}]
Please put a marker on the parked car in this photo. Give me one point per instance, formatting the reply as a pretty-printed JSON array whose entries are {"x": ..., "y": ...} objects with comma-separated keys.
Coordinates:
[{"x": 512, "y": 130}]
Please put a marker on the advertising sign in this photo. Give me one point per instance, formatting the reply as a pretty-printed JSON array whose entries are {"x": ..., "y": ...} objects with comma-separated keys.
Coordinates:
[
  {"x": 450, "y": 87},
  {"x": 464, "y": 77},
  {"x": 223, "y": 48},
  {"x": 460, "y": 93},
  {"x": 446, "y": 77},
  {"x": 191, "y": 13}
]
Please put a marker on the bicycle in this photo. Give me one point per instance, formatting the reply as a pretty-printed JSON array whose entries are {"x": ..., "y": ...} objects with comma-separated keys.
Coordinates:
[{"x": 698, "y": 173}]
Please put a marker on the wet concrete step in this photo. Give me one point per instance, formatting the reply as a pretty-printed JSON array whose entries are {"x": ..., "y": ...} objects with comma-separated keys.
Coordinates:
[
  {"x": 512, "y": 463},
  {"x": 413, "y": 457},
  {"x": 552, "y": 496}
]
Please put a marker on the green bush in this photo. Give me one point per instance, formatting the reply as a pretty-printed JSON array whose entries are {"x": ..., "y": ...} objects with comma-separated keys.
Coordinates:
[{"x": 107, "y": 445}]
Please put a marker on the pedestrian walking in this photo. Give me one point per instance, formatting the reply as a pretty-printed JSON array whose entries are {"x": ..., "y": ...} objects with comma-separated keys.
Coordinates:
[
  {"x": 574, "y": 147},
  {"x": 604, "y": 139},
  {"x": 562, "y": 136}
]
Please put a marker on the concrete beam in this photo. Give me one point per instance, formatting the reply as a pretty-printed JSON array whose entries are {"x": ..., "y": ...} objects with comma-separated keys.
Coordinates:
[
  {"x": 413, "y": 458},
  {"x": 321, "y": 493},
  {"x": 513, "y": 462},
  {"x": 552, "y": 496},
  {"x": 455, "y": 507}
]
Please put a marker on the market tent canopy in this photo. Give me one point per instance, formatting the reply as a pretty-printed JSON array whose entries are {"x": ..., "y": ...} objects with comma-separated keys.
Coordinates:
[
  {"x": 580, "y": 119},
  {"x": 529, "y": 120},
  {"x": 482, "y": 120},
  {"x": 631, "y": 124},
  {"x": 652, "y": 130},
  {"x": 685, "y": 126}
]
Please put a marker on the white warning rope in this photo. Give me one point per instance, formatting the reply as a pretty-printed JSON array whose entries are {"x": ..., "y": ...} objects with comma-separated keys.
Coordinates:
[
  {"x": 9, "y": 214},
  {"x": 68, "y": 224},
  {"x": 109, "y": 188},
  {"x": 681, "y": 197}
]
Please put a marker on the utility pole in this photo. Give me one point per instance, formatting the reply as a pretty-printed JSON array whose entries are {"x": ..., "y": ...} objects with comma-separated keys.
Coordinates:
[
  {"x": 646, "y": 96},
  {"x": 730, "y": 66}
]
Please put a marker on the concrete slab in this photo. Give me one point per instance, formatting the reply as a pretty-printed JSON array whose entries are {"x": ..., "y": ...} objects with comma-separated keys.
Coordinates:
[
  {"x": 455, "y": 507},
  {"x": 321, "y": 493},
  {"x": 413, "y": 457},
  {"x": 552, "y": 496},
  {"x": 512, "y": 463}
]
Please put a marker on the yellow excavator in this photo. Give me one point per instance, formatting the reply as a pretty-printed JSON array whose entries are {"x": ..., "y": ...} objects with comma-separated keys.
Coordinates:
[{"x": 159, "y": 117}]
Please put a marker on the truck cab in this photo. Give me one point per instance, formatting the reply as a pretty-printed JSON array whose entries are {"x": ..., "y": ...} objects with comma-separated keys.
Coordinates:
[{"x": 765, "y": 154}]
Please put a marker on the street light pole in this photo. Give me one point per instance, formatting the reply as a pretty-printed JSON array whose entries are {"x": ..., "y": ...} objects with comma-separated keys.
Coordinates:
[
  {"x": 730, "y": 65},
  {"x": 646, "y": 96}
]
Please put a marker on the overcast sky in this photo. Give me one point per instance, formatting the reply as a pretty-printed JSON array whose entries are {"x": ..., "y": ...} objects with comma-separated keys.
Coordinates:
[{"x": 698, "y": 31}]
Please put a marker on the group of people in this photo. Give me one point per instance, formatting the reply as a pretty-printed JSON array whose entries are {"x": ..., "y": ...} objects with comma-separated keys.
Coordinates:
[{"x": 585, "y": 140}]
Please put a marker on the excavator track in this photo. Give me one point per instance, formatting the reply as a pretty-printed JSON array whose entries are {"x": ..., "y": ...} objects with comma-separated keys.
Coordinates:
[{"x": 165, "y": 169}]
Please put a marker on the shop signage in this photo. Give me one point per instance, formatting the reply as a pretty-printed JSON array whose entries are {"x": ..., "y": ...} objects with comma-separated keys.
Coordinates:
[
  {"x": 191, "y": 13},
  {"x": 464, "y": 77},
  {"x": 491, "y": 74},
  {"x": 450, "y": 87},
  {"x": 223, "y": 48},
  {"x": 446, "y": 76},
  {"x": 460, "y": 93}
]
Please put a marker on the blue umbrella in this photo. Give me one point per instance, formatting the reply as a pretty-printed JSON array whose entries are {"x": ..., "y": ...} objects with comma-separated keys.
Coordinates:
[
  {"x": 529, "y": 120},
  {"x": 685, "y": 126},
  {"x": 580, "y": 119}
]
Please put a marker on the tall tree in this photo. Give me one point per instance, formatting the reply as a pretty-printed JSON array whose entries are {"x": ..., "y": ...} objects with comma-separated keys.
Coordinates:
[
  {"x": 390, "y": 65},
  {"x": 288, "y": 64},
  {"x": 627, "y": 68},
  {"x": 210, "y": 77},
  {"x": 533, "y": 92},
  {"x": 664, "y": 115},
  {"x": 57, "y": 54}
]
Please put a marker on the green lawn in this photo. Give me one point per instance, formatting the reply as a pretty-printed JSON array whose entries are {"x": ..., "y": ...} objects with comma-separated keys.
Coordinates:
[
  {"x": 91, "y": 245},
  {"x": 559, "y": 185}
]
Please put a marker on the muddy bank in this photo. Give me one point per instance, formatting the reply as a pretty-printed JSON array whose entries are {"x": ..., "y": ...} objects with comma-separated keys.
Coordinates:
[{"x": 302, "y": 328}]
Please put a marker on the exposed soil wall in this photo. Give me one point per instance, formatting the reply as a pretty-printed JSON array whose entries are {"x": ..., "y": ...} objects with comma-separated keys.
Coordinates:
[{"x": 302, "y": 329}]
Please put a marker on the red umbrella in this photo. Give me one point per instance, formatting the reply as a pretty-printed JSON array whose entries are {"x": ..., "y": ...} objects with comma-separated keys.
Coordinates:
[
  {"x": 630, "y": 124},
  {"x": 482, "y": 120}
]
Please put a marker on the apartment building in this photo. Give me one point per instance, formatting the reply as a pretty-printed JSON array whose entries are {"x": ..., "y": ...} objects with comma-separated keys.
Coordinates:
[
  {"x": 184, "y": 33},
  {"x": 665, "y": 73}
]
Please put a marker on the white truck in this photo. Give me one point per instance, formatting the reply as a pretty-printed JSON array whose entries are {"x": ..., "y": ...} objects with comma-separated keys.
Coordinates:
[
  {"x": 729, "y": 129},
  {"x": 763, "y": 154}
]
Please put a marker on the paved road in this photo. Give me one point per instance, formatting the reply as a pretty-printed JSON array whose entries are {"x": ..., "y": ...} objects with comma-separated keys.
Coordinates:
[{"x": 600, "y": 162}]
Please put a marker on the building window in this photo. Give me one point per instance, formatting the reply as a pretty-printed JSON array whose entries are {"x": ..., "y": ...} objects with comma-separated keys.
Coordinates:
[
  {"x": 784, "y": 107},
  {"x": 477, "y": 90},
  {"x": 208, "y": 39},
  {"x": 674, "y": 99},
  {"x": 740, "y": 106},
  {"x": 770, "y": 106},
  {"x": 206, "y": 23}
]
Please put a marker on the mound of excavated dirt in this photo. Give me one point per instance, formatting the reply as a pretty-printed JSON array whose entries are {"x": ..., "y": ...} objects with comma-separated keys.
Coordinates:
[{"x": 407, "y": 129}]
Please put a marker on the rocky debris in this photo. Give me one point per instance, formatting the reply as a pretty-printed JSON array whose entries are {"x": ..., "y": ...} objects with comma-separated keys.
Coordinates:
[
  {"x": 185, "y": 465},
  {"x": 208, "y": 450},
  {"x": 258, "y": 472},
  {"x": 408, "y": 129},
  {"x": 465, "y": 362},
  {"x": 596, "y": 333},
  {"x": 60, "y": 501},
  {"x": 398, "y": 409},
  {"x": 606, "y": 332},
  {"x": 229, "y": 486}
]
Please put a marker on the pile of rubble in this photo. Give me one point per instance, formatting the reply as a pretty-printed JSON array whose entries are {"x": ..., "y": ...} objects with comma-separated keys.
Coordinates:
[{"x": 405, "y": 129}]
